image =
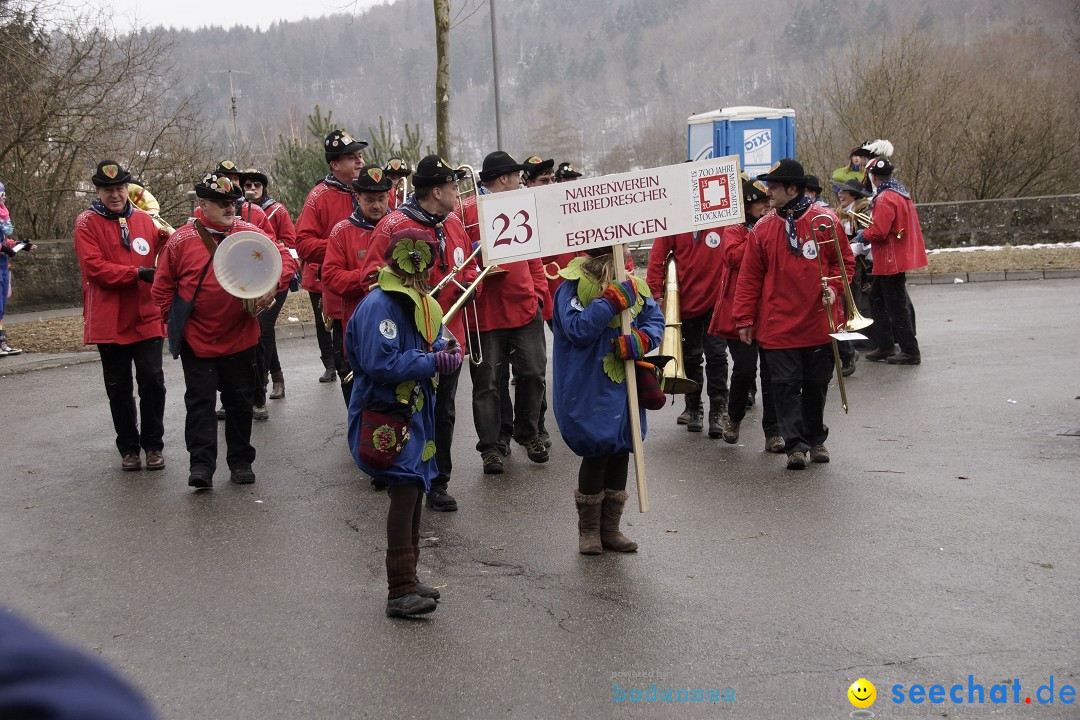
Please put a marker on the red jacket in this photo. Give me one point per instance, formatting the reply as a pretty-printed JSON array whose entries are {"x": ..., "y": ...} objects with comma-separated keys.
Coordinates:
[
  {"x": 324, "y": 208},
  {"x": 281, "y": 223},
  {"x": 253, "y": 211},
  {"x": 510, "y": 298},
  {"x": 779, "y": 292},
  {"x": 343, "y": 267},
  {"x": 117, "y": 307},
  {"x": 458, "y": 247},
  {"x": 218, "y": 325},
  {"x": 731, "y": 248},
  {"x": 895, "y": 234},
  {"x": 698, "y": 264}
]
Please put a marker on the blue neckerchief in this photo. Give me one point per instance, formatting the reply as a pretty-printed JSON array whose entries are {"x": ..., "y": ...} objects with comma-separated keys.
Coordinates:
[
  {"x": 335, "y": 183},
  {"x": 889, "y": 184},
  {"x": 413, "y": 210},
  {"x": 121, "y": 217},
  {"x": 360, "y": 221},
  {"x": 266, "y": 202},
  {"x": 791, "y": 212}
]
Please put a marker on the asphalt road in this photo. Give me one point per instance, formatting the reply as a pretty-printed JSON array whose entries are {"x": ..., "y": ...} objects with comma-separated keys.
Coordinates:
[{"x": 940, "y": 543}]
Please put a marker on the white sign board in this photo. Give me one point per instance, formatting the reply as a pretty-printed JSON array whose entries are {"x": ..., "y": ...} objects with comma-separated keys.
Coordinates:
[{"x": 583, "y": 214}]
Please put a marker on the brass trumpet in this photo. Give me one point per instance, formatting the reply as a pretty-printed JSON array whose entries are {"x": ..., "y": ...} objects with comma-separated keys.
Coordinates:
[{"x": 854, "y": 321}]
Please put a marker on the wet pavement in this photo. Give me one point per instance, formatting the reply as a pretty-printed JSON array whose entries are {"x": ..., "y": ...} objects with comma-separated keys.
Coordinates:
[{"x": 940, "y": 543}]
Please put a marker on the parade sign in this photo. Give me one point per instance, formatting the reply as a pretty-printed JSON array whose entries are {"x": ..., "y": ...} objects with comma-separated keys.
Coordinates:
[{"x": 641, "y": 205}]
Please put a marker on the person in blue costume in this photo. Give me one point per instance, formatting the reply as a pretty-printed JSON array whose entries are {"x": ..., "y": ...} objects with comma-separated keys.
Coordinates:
[
  {"x": 395, "y": 348},
  {"x": 589, "y": 396}
]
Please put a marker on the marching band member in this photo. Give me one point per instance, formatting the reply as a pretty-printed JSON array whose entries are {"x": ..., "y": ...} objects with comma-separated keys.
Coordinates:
[
  {"x": 278, "y": 216},
  {"x": 744, "y": 358},
  {"x": 117, "y": 245},
  {"x": 219, "y": 336},
  {"x": 398, "y": 169},
  {"x": 511, "y": 331},
  {"x": 327, "y": 204},
  {"x": 590, "y": 396},
  {"x": 699, "y": 264},
  {"x": 853, "y": 201},
  {"x": 394, "y": 346},
  {"x": 245, "y": 210},
  {"x": 897, "y": 239},
  {"x": 566, "y": 173},
  {"x": 779, "y": 302},
  {"x": 430, "y": 209},
  {"x": 346, "y": 250}
]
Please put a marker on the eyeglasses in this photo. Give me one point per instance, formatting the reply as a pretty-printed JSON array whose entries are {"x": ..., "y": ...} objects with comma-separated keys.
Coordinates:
[
  {"x": 252, "y": 185},
  {"x": 224, "y": 204}
]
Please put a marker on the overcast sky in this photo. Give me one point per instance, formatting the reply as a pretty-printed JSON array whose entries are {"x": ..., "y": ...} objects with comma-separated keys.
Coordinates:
[{"x": 199, "y": 13}]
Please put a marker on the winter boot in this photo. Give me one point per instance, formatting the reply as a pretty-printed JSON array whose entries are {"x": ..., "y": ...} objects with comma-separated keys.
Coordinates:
[
  {"x": 717, "y": 411},
  {"x": 611, "y": 538},
  {"x": 696, "y": 422},
  {"x": 278, "y": 390},
  {"x": 403, "y": 600},
  {"x": 588, "y": 509}
]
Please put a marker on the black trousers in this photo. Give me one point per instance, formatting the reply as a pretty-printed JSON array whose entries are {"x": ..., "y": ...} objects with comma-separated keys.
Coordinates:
[
  {"x": 698, "y": 343},
  {"x": 268, "y": 325},
  {"x": 116, "y": 362},
  {"x": 445, "y": 414},
  {"x": 744, "y": 366},
  {"x": 326, "y": 342},
  {"x": 893, "y": 313},
  {"x": 234, "y": 377},
  {"x": 341, "y": 360},
  {"x": 800, "y": 381},
  {"x": 603, "y": 472}
]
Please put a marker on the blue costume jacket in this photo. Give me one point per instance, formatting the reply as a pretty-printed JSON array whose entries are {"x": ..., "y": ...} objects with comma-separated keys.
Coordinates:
[
  {"x": 388, "y": 356},
  {"x": 590, "y": 407}
]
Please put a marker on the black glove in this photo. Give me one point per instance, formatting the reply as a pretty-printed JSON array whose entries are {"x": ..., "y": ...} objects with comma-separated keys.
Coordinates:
[
  {"x": 10, "y": 252},
  {"x": 146, "y": 274}
]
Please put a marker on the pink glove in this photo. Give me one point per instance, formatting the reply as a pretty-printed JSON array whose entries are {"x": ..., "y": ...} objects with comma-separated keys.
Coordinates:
[{"x": 447, "y": 362}]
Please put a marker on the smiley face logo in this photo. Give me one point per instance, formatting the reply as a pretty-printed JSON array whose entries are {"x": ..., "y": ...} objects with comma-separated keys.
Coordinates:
[{"x": 862, "y": 693}]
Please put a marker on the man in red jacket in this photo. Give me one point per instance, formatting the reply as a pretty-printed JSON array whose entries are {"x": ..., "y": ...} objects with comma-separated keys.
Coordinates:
[
  {"x": 329, "y": 202},
  {"x": 117, "y": 245},
  {"x": 699, "y": 263},
  {"x": 431, "y": 208},
  {"x": 511, "y": 332},
  {"x": 220, "y": 335},
  {"x": 343, "y": 272},
  {"x": 779, "y": 302},
  {"x": 896, "y": 237}
]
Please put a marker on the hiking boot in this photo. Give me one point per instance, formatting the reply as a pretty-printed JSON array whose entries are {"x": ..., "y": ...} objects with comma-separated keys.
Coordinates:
[
  {"x": 155, "y": 460},
  {"x": 697, "y": 419},
  {"x": 242, "y": 475},
  {"x": 774, "y": 444},
  {"x": 796, "y": 460},
  {"x": 731, "y": 429},
  {"x": 880, "y": 354},
  {"x": 328, "y": 376},
  {"x": 546, "y": 437},
  {"x": 409, "y": 605},
  {"x": 847, "y": 368},
  {"x": 589, "y": 508},
  {"x": 717, "y": 411},
  {"x": 439, "y": 499},
  {"x": 200, "y": 479},
  {"x": 819, "y": 454},
  {"x": 536, "y": 450},
  {"x": 493, "y": 464},
  {"x": 684, "y": 417},
  {"x": 905, "y": 359},
  {"x": 130, "y": 462},
  {"x": 259, "y": 413},
  {"x": 278, "y": 390}
]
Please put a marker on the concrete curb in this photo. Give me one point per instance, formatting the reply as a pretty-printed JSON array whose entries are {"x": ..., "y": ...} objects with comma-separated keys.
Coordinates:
[{"x": 999, "y": 276}]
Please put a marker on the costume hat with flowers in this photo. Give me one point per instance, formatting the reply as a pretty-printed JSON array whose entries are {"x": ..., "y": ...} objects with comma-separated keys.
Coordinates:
[
  {"x": 397, "y": 167},
  {"x": 340, "y": 143},
  {"x": 372, "y": 179},
  {"x": 411, "y": 251},
  {"x": 217, "y": 187},
  {"x": 433, "y": 170},
  {"x": 110, "y": 172},
  {"x": 535, "y": 167},
  {"x": 566, "y": 171},
  {"x": 227, "y": 167},
  {"x": 752, "y": 192}
]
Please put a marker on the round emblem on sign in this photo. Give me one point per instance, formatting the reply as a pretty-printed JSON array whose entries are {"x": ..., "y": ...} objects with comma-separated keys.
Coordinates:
[
  {"x": 388, "y": 329},
  {"x": 140, "y": 246},
  {"x": 576, "y": 303},
  {"x": 713, "y": 239},
  {"x": 459, "y": 255},
  {"x": 809, "y": 250}
]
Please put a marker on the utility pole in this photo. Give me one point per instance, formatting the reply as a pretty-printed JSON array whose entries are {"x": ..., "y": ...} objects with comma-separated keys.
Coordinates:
[
  {"x": 233, "y": 97},
  {"x": 495, "y": 78}
]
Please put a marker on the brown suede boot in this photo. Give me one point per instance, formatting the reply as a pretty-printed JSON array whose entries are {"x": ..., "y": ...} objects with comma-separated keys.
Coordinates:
[
  {"x": 402, "y": 599},
  {"x": 588, "y": 510},
  {"x": 611, "y": 511},
  {"x": 278, "y": 390}
]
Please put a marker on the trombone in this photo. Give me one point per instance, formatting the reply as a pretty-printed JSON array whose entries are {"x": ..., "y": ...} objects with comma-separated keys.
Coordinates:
[
  {"x": 854, "y": 321},
  {"x": 467, "y": 292}
]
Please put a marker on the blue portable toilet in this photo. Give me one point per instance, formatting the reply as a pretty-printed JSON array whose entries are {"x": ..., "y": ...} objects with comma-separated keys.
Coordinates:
[{"x": 758, "y": 135}]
